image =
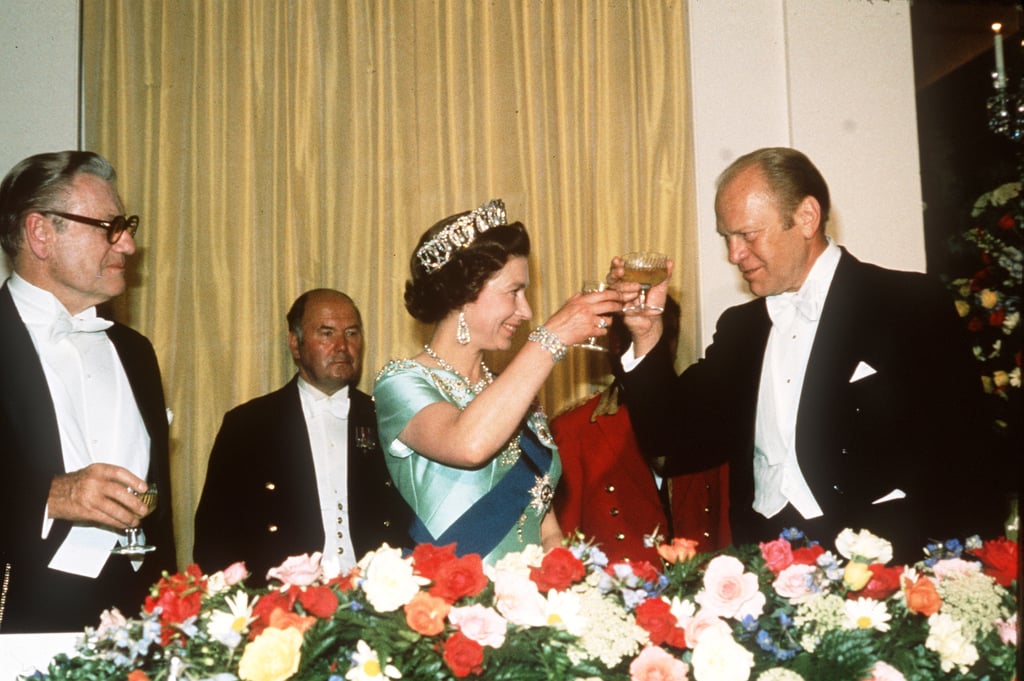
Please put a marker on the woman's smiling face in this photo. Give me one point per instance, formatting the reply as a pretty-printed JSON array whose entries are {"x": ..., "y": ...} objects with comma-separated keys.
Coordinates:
[{"x": 495, "y": 315}]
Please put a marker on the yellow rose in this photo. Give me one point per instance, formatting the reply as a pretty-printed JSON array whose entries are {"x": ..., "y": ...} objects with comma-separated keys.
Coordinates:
[
  {"x": 989, "y": 299},
  {"x": 1001, "y": 378},
  {"x": 856, "y": 576},
  {"x": 962, "y": 308},
  {"x": 272, "y": 656}
]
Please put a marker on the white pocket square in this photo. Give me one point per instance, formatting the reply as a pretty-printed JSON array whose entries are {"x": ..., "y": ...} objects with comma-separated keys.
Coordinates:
[
  {"x": 891, "y": 496},
  {"x": 863, "y": 370}
]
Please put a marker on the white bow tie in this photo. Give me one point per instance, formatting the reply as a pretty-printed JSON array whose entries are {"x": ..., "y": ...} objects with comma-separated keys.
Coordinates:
[
  {"x": 805, "y": 302},
  {"x": 335, "y": 405},
  {"x": 65, "y": 325}
]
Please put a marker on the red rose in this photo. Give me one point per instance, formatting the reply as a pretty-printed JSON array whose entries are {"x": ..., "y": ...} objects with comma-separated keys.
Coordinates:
[
  {"x": 655, "y": 617},
  {"x": 884, "y": 582},
  {"x": 460, "y": 577},
  {"x": 558, "y": 571},
  {"x": 267, "y": 604},
  {"x": 644, "y": 570},
  {"x": 1006, "y": 222},
  {"x": 999, "y": 560},
  {"x": 318, "y": 600},
  {"x": 178, "y": 596},
  {"x": 808, "y": 555},
  {"x": 996, "y": 317},
  {"x": 777, "y": 554},
  {"x": 463, "y": 655},
  {"x": 137, "y": 675},
  {"x": 428, "y": 559},
  {"x": 347, "y": 581},
  {"x": 975, "y": 325}
]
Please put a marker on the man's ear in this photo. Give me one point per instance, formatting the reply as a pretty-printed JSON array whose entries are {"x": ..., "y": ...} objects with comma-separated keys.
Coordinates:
[
  {"x": 293, "y": 344},
  {"x": 39, "y": 235},
  {"x": 808, "y": 217}
]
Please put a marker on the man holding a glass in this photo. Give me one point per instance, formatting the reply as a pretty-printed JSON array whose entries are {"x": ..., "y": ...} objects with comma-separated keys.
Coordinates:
[
  {"x": 843, "y": 396},
  {"x": 83, "y": 424}
]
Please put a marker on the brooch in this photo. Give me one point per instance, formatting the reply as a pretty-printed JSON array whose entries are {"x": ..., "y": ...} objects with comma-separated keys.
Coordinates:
[{"x": 542, "y": 493}]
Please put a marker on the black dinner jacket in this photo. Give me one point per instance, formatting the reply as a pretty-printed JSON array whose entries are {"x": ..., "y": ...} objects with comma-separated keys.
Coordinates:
[
  {"x": 260, "y": 502},
  {"x": 912, "y": 425},
  {"x": 38, "y": 598}
]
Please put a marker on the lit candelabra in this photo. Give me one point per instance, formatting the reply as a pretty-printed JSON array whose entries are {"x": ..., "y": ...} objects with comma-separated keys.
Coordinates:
[{"x": 1006, "y": 106}]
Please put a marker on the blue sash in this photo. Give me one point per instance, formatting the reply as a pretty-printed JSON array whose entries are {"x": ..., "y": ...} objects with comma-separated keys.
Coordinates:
[{"x": 484, "y": 524}]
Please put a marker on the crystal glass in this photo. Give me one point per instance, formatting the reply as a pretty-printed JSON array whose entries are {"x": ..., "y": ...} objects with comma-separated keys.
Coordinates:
[
  {"x": 646, "y": 269},
  {"x": 592, "y": 286},
  {"x": 134, "y": 547}
]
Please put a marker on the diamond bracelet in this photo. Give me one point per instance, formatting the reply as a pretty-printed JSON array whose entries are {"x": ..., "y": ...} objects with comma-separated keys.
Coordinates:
[{"x": 549, "y": 342}]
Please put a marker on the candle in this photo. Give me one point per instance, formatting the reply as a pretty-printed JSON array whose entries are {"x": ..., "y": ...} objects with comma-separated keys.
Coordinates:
[{"x": 1000, "y": 65}]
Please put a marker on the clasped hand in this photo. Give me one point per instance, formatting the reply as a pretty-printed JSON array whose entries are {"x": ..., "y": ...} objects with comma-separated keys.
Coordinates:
[
  {"x": 99, "y": 494},
  {"x": 585, "y": 315},
  {"x": 645, "y": 326}
]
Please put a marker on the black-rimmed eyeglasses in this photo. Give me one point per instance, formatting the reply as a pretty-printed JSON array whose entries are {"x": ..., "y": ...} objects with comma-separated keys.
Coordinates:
[{"x": 114, "y": 228}]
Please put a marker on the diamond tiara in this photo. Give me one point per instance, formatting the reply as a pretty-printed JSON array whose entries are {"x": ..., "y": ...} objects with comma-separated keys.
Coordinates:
[{"x": 436, "y": 253}]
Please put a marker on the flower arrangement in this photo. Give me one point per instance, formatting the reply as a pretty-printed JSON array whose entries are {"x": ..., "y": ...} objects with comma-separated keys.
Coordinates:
[
  {"x": 989, "y": 300},
  {"x": 782, "y": 611}
]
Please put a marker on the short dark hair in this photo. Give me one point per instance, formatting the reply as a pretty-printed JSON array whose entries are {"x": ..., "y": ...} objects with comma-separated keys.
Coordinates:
[
  {"x": 298, "y": 309},
  {"x": 430, "y": 295},
  {"x": 790, "y": 175},
  {"x": 40, "y": 183}
]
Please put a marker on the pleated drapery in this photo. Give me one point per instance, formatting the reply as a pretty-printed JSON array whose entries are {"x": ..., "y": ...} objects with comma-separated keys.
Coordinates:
[{"x": 274, "y": 147}]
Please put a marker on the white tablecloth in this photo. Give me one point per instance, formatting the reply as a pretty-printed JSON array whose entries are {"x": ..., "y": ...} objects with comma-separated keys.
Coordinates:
[{"x": 26, "y": 653}]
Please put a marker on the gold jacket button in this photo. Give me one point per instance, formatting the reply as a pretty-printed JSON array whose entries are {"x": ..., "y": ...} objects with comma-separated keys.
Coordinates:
[
  {"x": 614, "y": 512},
  {"x": 620, "y": 536},
  {"x": 609, "y": 488}
]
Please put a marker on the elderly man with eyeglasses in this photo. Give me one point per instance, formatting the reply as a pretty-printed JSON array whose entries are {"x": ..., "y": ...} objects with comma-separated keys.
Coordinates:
[{"x": 83, "y": 424}]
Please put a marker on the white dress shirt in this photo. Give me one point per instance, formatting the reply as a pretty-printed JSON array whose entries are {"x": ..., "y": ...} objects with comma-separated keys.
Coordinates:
[
  {"x": 778, "y": 479},
  {"x": 97, "y": 417},
  {"x": 327, "y": 423}
]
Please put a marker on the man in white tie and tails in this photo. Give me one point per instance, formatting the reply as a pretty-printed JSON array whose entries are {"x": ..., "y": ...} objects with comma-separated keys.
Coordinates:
[
  {"x": 83, "y": 424},
  {"x": 843, "y": 396}
]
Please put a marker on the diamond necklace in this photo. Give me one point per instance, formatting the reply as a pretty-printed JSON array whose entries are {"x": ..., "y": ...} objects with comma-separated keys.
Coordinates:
[{"x": 475, "y": 388}]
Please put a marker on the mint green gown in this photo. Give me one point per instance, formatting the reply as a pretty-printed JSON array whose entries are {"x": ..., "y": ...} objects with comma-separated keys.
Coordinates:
[{"x": 440, "y": 494}]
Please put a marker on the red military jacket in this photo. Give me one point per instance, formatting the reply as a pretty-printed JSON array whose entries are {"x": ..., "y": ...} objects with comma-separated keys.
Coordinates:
[{"x": 608, "y": 491}]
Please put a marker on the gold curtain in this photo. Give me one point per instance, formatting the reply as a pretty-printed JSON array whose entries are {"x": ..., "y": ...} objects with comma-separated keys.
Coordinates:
[{"x": 274, "y": 147}]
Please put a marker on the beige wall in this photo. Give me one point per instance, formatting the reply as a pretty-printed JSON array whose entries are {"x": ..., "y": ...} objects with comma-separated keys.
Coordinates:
[
  {"x": 38, "y": 80},
  {"x": 832, "y": 78}
]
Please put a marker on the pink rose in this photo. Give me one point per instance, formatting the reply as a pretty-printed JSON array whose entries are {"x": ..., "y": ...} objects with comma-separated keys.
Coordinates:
[
  {"x": 701, "y": 622},
  {"x": 886, "y": 672},
  {"x": 297, "y": 570},
  {"x": 654, "y": 664},
  {"x": 795, "y": 582},
  {"x": 778, "y": 554},
  {"x": 1007, "y": 630},
  {"x": 235, "y": 573},
  {"x": 481, "y": 624},
  {"x": 729, "y": 591},
  {"x": 517, "y": 598}
]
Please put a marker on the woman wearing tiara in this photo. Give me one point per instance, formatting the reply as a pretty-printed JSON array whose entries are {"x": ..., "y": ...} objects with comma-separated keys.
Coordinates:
[{"x": 470, "y": 450}]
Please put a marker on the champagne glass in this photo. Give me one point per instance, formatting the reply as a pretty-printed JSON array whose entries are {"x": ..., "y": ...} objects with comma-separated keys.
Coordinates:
[
  {"x": 646, "y": 269},
  {"x": 133, "y": 547},
  {"x": 591, "y": 286}
]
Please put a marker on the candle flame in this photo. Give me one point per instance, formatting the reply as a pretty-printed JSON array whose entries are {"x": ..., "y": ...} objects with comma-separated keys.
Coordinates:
[{"x": 997, "y": 27}]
